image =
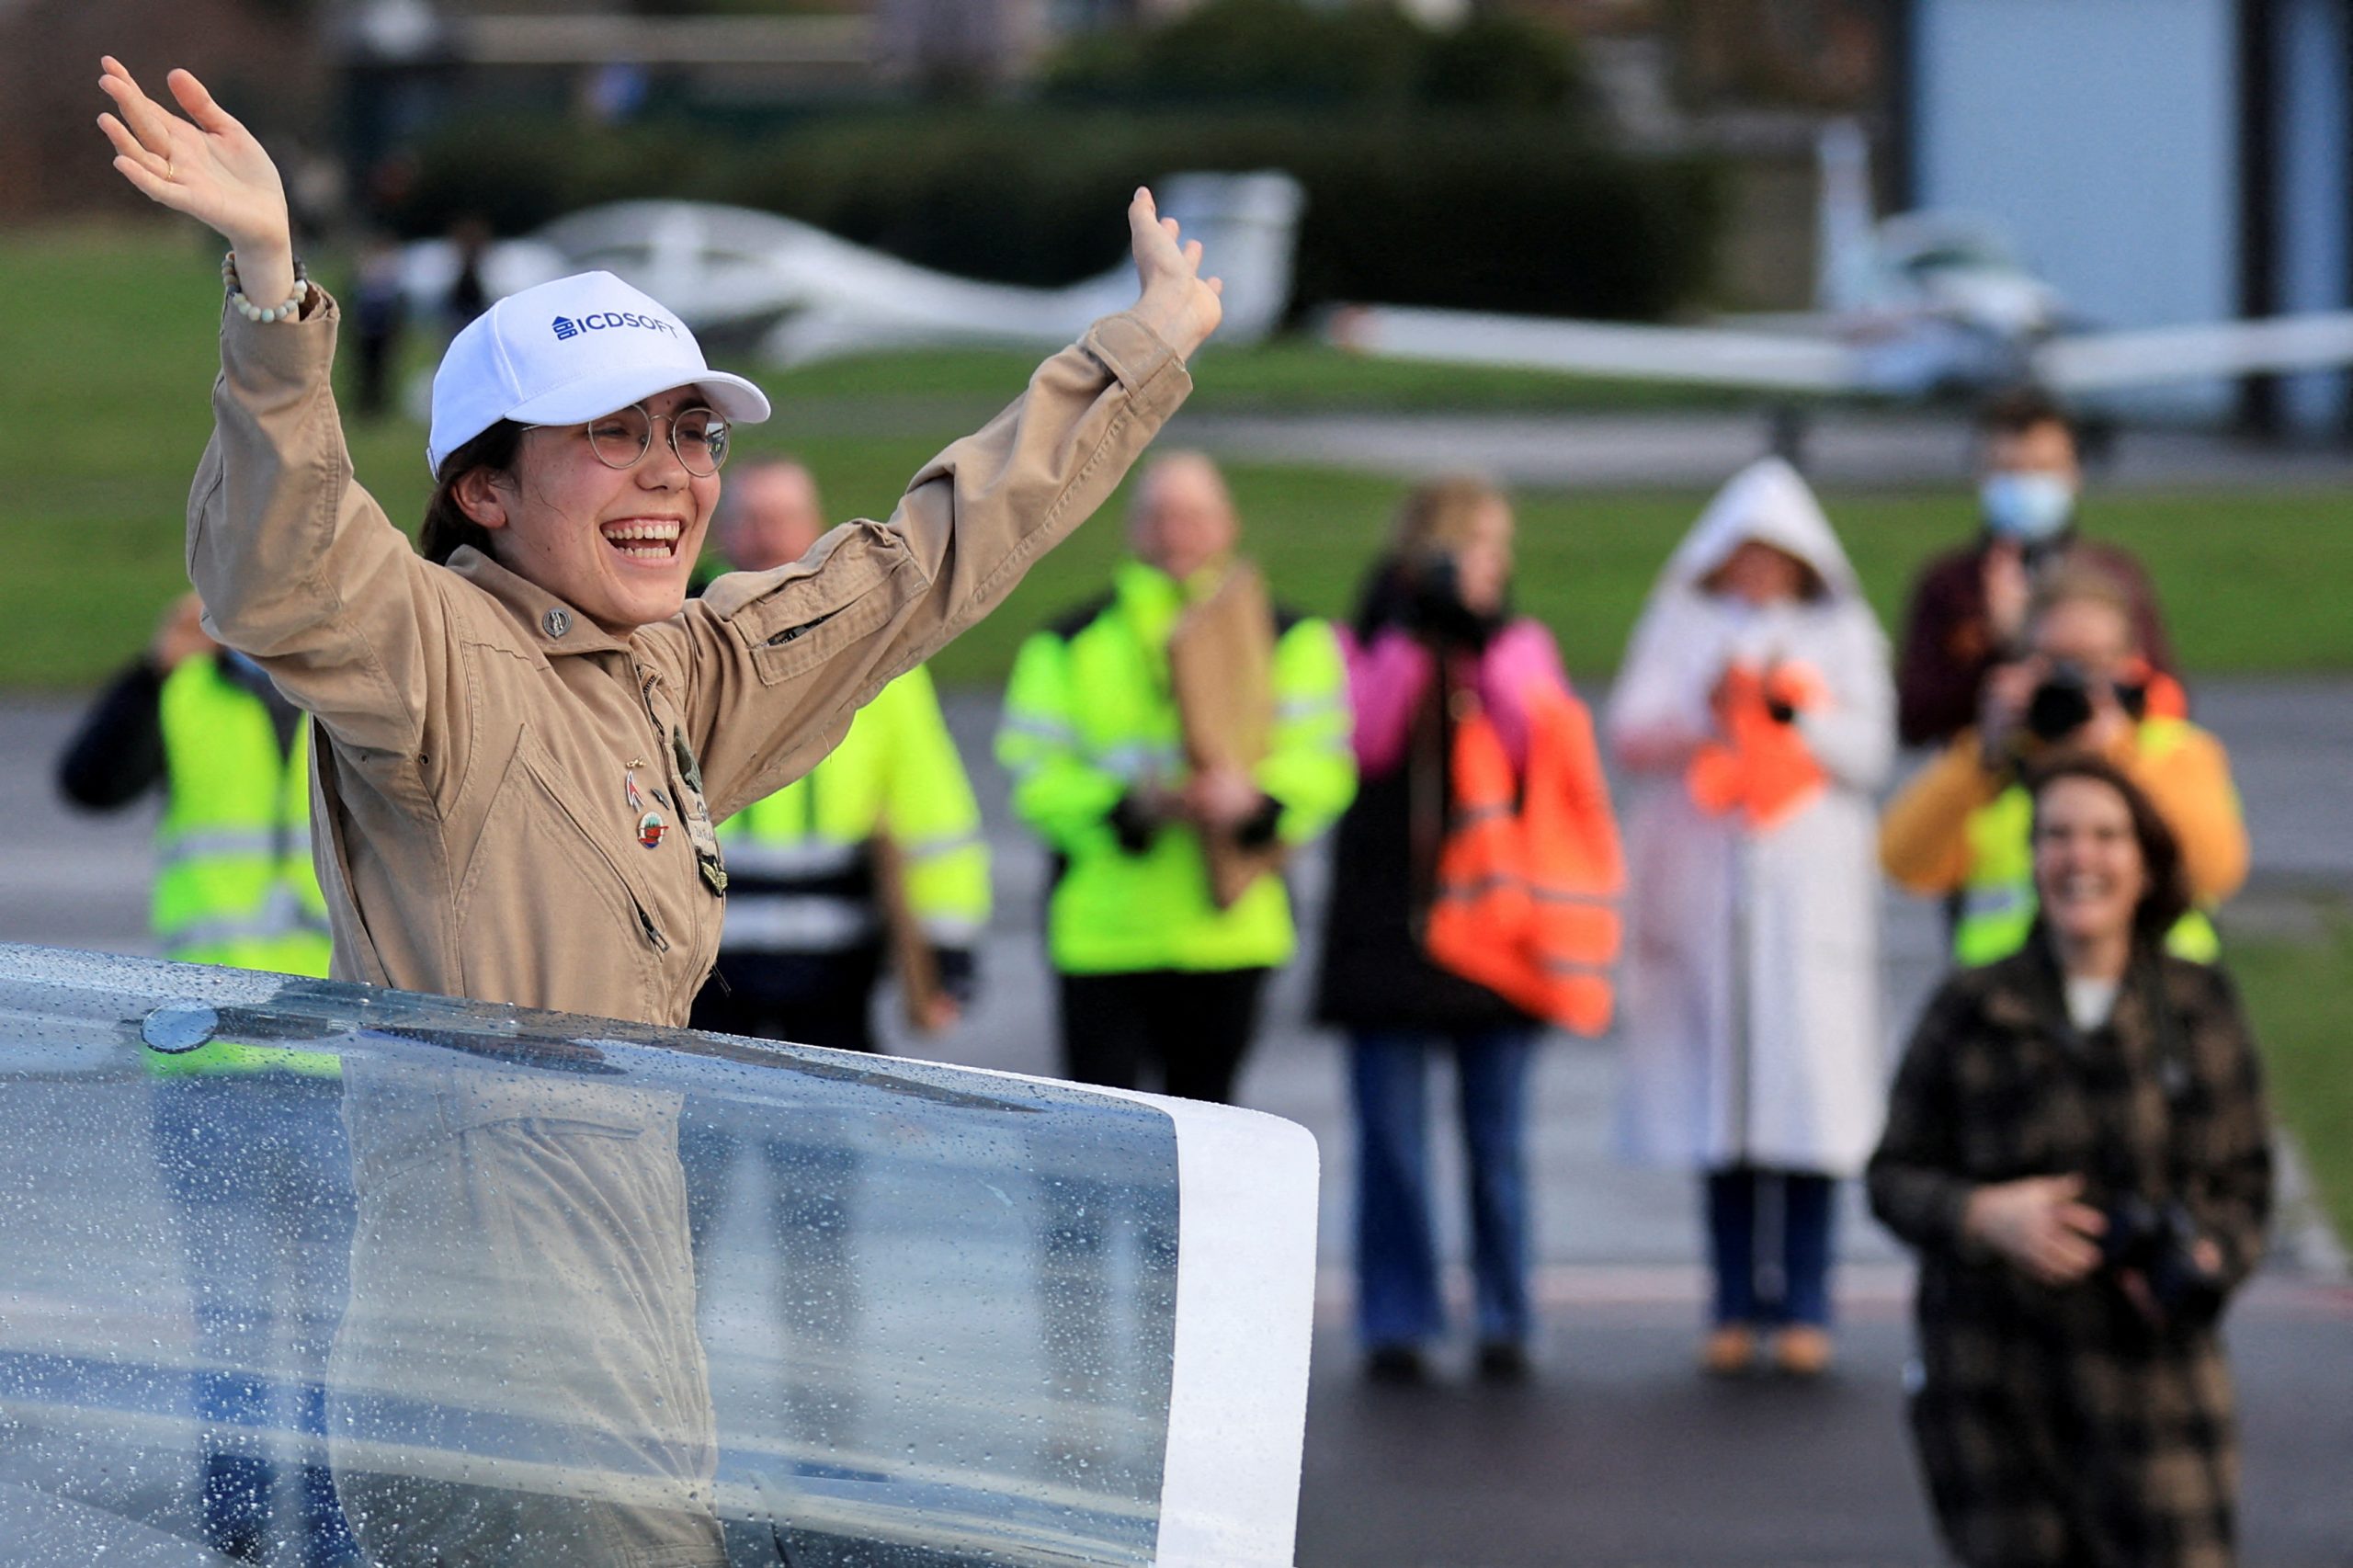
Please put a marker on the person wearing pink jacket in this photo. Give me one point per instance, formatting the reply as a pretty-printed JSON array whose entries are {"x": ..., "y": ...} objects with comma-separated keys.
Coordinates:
[{"x": 1433, "y": 643}]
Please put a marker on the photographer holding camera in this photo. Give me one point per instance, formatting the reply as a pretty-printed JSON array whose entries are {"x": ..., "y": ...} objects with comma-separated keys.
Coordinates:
[
  {"x": 2079, "y": 1147},
  {"x": 1473, "y": 901},
  {"x": 1967, "y": 609},
  {"x": 1959, "y": 827}
]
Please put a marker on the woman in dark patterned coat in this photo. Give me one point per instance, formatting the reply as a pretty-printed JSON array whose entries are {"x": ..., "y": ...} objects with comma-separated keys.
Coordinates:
[{"x": 2077, "y": 1145}]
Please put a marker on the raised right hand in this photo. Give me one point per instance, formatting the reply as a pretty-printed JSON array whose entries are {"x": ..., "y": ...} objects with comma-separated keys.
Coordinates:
[{"x": 208, "y": 166}]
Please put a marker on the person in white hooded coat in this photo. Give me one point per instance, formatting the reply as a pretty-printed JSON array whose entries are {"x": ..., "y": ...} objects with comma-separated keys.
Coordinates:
[{"x": 1756, "y": 714}]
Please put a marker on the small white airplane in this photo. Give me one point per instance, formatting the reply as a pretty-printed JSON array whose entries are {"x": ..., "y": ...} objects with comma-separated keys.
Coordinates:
[
  {"x": 801, "y": 294},
  {"x": 1919, "y": 305}
]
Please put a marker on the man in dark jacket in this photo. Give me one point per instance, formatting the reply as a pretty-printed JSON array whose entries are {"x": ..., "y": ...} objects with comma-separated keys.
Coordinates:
[{"x": 1967, "y": 610}]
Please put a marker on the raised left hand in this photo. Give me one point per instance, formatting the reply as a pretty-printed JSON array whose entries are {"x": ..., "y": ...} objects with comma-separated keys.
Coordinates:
[{"x": 1175, "y": 300}]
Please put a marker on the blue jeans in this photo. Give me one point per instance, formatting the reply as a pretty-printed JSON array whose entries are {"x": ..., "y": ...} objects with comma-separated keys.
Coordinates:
[
  {"x": 1397, "y": 1274},
  {"x": 1769, "y": 1236}
]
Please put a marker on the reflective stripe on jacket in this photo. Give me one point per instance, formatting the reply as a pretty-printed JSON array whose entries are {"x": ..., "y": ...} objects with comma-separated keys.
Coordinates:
[
  {"x": 1528, "y": 879},
  {"x": 1998, "y": 900},
  {"x": 800, "y": 868},
  {"x": 234, "y": 884},
  {"x": 1089, "y": 717}
]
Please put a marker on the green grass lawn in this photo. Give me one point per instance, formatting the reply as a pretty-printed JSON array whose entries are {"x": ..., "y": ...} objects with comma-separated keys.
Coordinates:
[
  {"x": 108, "y": 337},
  {"x": 2298, "y": 995}
]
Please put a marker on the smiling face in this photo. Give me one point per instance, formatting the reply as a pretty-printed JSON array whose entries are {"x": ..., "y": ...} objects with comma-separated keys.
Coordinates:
[
  {"x": 615, "y": 544},
  {"x": 2088, "y": 871}
]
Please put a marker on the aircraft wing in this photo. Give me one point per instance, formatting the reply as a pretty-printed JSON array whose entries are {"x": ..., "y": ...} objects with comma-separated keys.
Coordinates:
[
  {"x": 809, "y": 294},
  {"x": 2099, "y": 361},
  {"x": 1723, "y": 357}
]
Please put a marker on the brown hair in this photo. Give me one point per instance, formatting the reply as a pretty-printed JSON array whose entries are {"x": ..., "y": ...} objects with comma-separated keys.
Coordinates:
[
  {"x": 447, "y": 527},
  {"x": 2166, "y": 898},
  {"x": 2021, "y": 409},
  {"x": 1440, "y": 515},
  {"x": 1811, "y": 588}
]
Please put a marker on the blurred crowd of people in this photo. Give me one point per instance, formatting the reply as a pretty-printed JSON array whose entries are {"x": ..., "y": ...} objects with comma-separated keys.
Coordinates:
[{"x": 2074, "y": 1141}]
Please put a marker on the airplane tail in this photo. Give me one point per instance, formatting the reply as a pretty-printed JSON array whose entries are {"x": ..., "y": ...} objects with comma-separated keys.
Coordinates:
[
  {"x": 1248, "y": 226},
  {"x": 1845, "y": 223}
]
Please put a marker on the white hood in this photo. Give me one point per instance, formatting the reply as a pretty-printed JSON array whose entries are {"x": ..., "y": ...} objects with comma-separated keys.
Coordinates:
[
  {"x": 1767, "y": 502},
  {"x": 1685, "y": 634}
]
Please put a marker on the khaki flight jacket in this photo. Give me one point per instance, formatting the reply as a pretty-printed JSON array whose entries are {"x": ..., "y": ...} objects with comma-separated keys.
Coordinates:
[{"x": 493, "y": 756}]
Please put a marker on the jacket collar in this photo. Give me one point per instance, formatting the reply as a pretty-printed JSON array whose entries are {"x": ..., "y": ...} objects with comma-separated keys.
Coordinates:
[
  {"x": 2037, "y": 996},
  {"x": 547, "y": 624}
]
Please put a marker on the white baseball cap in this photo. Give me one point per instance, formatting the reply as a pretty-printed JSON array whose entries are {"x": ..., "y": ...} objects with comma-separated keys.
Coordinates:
[{"x": 563, "y": 353}]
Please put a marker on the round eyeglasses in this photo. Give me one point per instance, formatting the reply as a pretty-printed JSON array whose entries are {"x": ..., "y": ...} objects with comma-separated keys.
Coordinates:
[{"x": 621, "y": 440}]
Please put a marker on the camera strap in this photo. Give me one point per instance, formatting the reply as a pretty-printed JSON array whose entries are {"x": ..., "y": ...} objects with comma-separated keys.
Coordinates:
[{"x": 2124, "y": 1156}]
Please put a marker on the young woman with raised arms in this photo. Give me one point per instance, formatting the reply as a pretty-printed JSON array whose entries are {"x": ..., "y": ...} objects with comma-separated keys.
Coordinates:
[{"x": 528, "y": 730}]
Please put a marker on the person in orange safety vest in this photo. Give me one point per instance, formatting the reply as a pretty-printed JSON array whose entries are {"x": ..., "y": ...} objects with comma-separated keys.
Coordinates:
[{"x": 1473, "y": 901}]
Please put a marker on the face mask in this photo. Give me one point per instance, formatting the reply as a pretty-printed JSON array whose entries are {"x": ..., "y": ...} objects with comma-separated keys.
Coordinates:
[{"x": 2029, "y": 507}]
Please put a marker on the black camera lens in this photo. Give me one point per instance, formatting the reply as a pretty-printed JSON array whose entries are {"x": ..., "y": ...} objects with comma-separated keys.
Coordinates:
[
  {"x": 2060, "y": 706},
  {"x": 1438, "y": 610}
]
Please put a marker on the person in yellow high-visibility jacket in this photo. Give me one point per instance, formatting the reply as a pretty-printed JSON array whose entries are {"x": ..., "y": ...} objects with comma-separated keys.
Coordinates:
[
  {"x": 1159, "y": 984},
  {"x": 248, "y": 1138},
  {"x": 807, "y": 933},
  {"x": 1962, "y": 827},
  {"x": 234, "y": 882}
]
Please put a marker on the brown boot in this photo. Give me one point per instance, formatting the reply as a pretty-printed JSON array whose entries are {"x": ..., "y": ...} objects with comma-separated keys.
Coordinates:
[
  {"x": 1729, "y": 1351},
  {"x": 1802, "y": 1350}
]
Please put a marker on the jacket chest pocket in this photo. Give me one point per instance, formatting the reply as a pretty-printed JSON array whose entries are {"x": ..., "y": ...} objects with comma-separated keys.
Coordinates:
[
  {"x": 547, "y": 917},
  {"x": 803, "y": 624},
  {"x": 599, "y": 862}
]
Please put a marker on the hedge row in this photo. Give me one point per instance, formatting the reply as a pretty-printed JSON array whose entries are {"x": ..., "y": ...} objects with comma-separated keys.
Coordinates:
[
  {"x": 1512, "y": 213},
  {"x": 1231, "y": 52}
]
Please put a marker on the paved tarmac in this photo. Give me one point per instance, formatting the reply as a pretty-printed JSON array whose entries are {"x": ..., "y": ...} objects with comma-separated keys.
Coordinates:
[{"x": 1617, "y": 1454}]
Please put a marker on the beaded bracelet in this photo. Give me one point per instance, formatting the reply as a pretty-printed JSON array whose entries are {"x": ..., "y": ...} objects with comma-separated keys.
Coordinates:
[{"x": 253, "y": 312}]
